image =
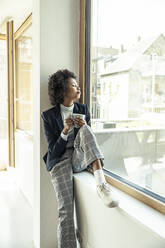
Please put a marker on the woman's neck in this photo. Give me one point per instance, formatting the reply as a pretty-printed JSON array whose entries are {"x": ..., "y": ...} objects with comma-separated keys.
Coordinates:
[{"x": 68, "y": 102}]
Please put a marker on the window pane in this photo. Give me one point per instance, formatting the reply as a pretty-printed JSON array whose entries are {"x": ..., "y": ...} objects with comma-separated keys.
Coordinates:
[
  {"x": 3, "y": 107},
  {"x": 128, "y": 88},
  {"x": 24, "y": 81}
]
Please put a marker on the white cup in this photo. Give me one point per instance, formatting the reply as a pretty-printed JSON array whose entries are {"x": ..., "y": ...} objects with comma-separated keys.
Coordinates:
[{"x": 74, "y": 115}]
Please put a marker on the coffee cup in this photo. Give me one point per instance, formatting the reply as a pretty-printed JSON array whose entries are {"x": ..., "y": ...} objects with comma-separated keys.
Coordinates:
[{"x": 74, "y": 115}]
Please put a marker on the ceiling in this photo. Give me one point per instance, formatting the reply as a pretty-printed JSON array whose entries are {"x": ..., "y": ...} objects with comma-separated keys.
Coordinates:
[{"x": 16, "y": 10}]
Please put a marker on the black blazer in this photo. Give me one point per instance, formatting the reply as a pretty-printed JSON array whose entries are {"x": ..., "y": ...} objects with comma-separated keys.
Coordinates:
[{"x": 53, "y": 125}]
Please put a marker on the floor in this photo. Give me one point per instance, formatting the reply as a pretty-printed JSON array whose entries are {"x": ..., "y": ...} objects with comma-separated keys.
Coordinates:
[{"x": 16, "y": 222}]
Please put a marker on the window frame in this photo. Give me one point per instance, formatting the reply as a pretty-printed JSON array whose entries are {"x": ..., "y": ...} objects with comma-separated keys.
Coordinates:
[
  {"x": 148, "y": 197},
  {"x": 10, "y": 88}
]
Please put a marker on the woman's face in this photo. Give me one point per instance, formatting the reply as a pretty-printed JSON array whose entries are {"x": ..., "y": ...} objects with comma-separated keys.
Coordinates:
[{"x": 73, "y": 90}]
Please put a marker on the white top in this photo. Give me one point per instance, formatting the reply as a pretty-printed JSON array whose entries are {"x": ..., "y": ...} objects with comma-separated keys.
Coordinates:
[{"x": 65, "y": 112}]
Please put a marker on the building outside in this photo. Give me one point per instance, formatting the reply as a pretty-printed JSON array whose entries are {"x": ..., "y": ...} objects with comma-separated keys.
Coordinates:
[{"x": 130, "y": 86}]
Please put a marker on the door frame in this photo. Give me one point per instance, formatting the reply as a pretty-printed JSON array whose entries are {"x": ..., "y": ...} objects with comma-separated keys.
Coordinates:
[{"x": 11, "y": 39}]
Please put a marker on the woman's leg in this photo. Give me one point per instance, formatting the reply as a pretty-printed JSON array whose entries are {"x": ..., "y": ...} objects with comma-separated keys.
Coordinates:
[
  {"x": 86, "y": 150},
  {"x": 62, "y": 179},
  {"x": 87, "y": 153},
  {"x": 96, "y": 165}
]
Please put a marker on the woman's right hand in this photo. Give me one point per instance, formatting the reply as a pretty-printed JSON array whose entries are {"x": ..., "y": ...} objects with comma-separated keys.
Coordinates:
[{"x": 68, "y": 124}]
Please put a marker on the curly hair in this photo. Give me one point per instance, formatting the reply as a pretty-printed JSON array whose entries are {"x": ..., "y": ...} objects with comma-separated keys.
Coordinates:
[{"x": 57, "y": 85}]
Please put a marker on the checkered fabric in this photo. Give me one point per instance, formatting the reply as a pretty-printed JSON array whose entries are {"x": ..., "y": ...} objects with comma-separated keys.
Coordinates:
[{"x": 79, "y": 155}]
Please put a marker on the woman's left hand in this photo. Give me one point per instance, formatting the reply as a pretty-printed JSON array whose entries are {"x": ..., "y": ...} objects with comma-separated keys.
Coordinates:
[{"x": 79, "y": 121}]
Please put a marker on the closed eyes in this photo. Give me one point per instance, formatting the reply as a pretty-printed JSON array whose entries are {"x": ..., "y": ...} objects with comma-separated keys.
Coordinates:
[{"x": 75, "y": 85}]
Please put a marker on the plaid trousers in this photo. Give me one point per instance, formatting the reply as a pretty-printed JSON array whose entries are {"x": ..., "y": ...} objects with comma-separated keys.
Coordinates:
[{"x": 79, "y": 155}]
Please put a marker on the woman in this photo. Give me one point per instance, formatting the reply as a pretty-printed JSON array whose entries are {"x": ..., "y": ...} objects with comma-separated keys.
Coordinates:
[{"x": 70, "y": 150}]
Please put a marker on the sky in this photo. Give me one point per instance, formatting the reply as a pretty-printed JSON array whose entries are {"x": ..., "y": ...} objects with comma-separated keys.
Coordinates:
[{"x": 116, "y": 22}]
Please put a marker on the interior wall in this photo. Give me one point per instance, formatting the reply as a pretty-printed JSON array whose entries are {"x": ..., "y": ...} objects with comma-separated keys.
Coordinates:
[
  {"x": 56, "y": 46},
  {"x": 24, "y": 164},
  {"x": 100, "y": 226}
]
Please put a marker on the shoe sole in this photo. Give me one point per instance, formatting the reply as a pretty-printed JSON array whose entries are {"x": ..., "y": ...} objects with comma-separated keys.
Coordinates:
[{"x": 113, "y": 204}]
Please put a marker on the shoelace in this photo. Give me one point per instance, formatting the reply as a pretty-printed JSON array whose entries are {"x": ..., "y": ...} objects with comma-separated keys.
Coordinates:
[{"x": 105, "y": 187}]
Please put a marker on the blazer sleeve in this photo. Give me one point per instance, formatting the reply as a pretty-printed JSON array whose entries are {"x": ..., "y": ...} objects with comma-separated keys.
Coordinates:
[
  {"x": 56, "y": 144},
  {"x": 88, "y": 119}
]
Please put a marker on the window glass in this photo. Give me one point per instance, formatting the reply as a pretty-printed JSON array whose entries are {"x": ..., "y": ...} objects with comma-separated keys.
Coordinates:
[
  {"x": 24, "y": 81},
  {"x": 128, "y": 88},
  {"x": 3, "y": 107}
]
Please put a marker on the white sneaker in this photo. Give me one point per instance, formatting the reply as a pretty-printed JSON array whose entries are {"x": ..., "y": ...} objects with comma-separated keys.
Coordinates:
[{"x": 104, "y": 192}]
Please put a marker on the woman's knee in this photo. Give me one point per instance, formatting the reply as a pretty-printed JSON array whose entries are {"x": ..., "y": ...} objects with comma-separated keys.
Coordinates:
[
  {"x": 66, "y": 211},
  {"x": 86, "y": 129}
]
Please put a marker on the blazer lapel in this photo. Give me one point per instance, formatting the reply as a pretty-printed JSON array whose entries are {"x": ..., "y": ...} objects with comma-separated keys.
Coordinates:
[{"x": 76, "y": 108}]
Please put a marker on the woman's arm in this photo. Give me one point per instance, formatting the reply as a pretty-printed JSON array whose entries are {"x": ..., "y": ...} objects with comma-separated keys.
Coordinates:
[
  {"x": 79, "y": 121},
  {"x": 56, "y": 144}
]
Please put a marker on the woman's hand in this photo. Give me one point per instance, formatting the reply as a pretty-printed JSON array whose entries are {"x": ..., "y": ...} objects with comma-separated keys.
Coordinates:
[
  {"x": 68, "y": 124},
  {"x": 79, "y": 121}
]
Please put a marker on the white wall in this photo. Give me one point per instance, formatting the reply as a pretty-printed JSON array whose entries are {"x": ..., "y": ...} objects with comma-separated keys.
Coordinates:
[
  {"x": 103, "y": 227},
  {"x": 56, "y": 46},
  {"x": 24, "y": 164}
]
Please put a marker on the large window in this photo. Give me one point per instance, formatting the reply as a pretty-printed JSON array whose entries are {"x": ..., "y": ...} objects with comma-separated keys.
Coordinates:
[
  {"x": 15, "y": 88},
  {"x": 127, "y": 85}
]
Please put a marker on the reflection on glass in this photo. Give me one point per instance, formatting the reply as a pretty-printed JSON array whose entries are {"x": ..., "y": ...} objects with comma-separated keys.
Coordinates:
[
  {"x": 128, "y": 93},
  {"x": 24, "y": 81},
  {"x": 128, "y": 64},
  {"x": 3, "y": 107},
  {"x": 136, "y": 155}
]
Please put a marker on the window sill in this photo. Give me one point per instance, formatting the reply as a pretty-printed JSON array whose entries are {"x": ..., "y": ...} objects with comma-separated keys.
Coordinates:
[
  {"x": 128, "y": 205},
  {"x": 23, "y": 133}
]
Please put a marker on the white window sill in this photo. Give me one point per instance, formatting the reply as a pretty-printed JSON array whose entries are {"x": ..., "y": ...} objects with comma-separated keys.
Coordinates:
[{"x": 128, "y": 205}]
